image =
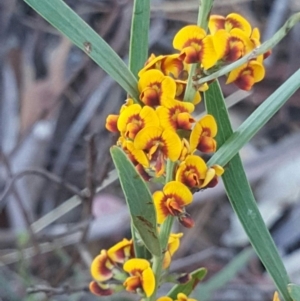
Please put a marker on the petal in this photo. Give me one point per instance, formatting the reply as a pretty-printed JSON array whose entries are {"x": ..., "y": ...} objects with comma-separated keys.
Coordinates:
[
  {"x": 220, "y": 39},
  {"x": 149, "y": 116},
  {"x": 237, "y": 21},
  {"x": 135, "y": 264},
  {"x": 144, "y": 138},
  {"x": 192, "y": 171},
  {"x": 172, "y": 142},
  {"x": 164, "y": 298},
  {"x": 148, "y": 281},
  {"x": 101, "y": 267},
  {"x": 208, "y": 54},
  {"x": 174, "y": 242},
  {"x": 175, "y": 188},
  {"x": 100, "y": 289},
  {"x": 188, "y": 34},
  {"x": 138, "y": 156},
  {"x": 168, "y": 87},
  {"x": 161, "y": 210},
  {"x": 111, "y": 123},
  {"x": 216, "y": 22},
  {"x": 153, "y": 62},
  {"x": 276, "y": 297},
  {"x": 120, "y": 251},
  {"x": 132, "y": 283},
  {"x": 150, "y": 77},
  {"x": 209, "y": 122},
  {"x": 127, "y": 115},
  {"x": 172, "y": 65}
]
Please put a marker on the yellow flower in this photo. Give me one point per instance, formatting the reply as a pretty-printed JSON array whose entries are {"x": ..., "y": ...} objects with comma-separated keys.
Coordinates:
[
  {"x": 134, "y": 118},
  {"x": 175, "y": 115},
  {"x": 164, "y": 298},
  {"x": 212, "y": 176},
  {"x": 276, "y": 297},
  {"x": 202, "y": 135},
  {"x": 171, "y": 200},
  {"x": 170, "y": 65},
  {"x": 121, "y": 251},
  {"x": 183, "y": 297},
  {"x": 158, "y": 145},
  {"x": 102, "y": 267},
  {"x": 246, "y": 75},
  {"x": 231, "y": 21},
  {"x": 232, "y": 45},
  {"x": 141, "y": 276},
  {"x": 192, "y": 172},
  {"x": 195, "y": 46},
  {"x": 172, "y": 247},
  {"x": 111, "y": 123},
  {"x": 153, "y": 85},
  {"x": 100, "y": 289}
]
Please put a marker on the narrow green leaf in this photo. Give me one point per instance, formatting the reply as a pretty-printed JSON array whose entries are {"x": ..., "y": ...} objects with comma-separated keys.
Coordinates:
[
  {"x": 57, "y": 13},
  {"x": 294, "y": 291},
  {"x": 241, "y": 197},
  {"x": 188, "y": 287},
  {"x": 204, "y": 290},
  {"x": 138, "y": 52},
  {"x": 254, "y": 122},
  {"x": 139, "y": 200}
]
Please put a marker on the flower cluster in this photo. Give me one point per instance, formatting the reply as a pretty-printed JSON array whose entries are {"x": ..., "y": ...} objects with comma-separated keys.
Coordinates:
[
  {"x": 164, "y": 141},
  {"x": 117, "y": 269}
]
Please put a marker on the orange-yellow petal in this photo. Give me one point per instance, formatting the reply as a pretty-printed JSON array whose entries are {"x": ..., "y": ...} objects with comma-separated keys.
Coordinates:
[
  {"x": 234, "y": 20},
  {"x": 203, "y": 133},
  {"x": 142, "y": 276},
  {"x": 183, "y": 297},
  {"x": 172, "y": 144},
  {"x": 111, "y": 123},
  {"x": 276, "y": 297},
  {"x": 172, "y": 200},
  {"x": 192, "y": 171},
  {"x": 102, "y": 267},
  {"x": 164, "y": 298},
  {"x": 246, "y": 75},
  {"x": 100, "y": 289},
  {"x": 121, "y": 251},
  {"x": 148, "y": 281},
  {"x": 153, "y": 84}
]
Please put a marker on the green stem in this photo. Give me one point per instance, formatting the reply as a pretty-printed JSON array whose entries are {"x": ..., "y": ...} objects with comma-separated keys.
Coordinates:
[
  {"x": 164, "y": 234},
  {"x": 202, "y": 21}
]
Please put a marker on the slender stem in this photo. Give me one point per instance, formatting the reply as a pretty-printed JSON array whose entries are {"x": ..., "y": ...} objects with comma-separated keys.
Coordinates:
[
  {"x": 202, "y": 21},
  {"x": 164, "y": 234}
]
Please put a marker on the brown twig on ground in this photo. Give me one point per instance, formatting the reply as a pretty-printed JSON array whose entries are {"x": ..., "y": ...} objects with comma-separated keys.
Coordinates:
[
  {"x": 40, "y": 172},
  {"x": 18, "y": 198},
  {"x": 63, "y": 290}
]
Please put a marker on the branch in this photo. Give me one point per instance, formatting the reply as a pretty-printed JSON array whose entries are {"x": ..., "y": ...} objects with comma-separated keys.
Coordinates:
[{"x": 63, "y": 290}]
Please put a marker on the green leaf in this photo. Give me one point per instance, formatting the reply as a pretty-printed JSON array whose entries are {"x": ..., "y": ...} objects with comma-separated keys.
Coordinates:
[
  {"x": 139, "y": 200},
  {"x": 204, "y": 290},
  {"x": 188, "y": 287},
  {"x": 252, "y": 124},
  {"x": 294, "y": 291},
  {"x": 57, "y": 13},
  {"x": 241, "y": 197},
  {"x": 138, "y": 53}
]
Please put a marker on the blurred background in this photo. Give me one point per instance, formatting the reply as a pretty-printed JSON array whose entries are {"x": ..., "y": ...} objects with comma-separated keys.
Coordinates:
[{"x": 53, "y": 104}]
